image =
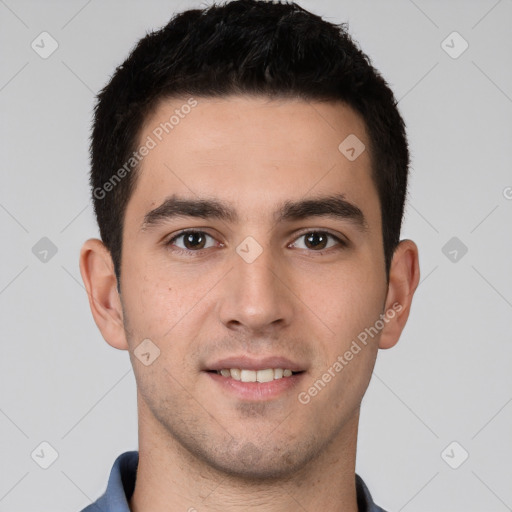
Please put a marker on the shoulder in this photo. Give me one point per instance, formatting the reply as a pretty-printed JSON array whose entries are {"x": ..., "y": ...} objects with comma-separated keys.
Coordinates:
[
  {"x": 365, "y": 501},
  {"x": 120, "y": 487}
]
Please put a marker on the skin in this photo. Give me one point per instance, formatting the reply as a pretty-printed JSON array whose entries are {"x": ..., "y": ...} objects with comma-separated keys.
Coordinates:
[{"x": 200, "y": 446}]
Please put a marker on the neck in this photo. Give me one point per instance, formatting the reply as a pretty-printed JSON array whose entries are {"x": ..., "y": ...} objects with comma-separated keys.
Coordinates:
[{"x": 170, "y": 478}]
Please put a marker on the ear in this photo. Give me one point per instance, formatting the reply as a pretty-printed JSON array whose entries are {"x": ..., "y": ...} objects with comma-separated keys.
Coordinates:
[
  {"x": 404, "y": 276},
  {"x": 98, "y": 275}
]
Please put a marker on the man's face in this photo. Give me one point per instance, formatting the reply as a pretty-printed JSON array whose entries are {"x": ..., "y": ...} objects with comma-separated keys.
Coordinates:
[{"x": 253, "y": 292}]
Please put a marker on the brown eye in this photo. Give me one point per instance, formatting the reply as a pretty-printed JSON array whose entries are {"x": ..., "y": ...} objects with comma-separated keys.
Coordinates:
[
  {"x": 191, "y": 241},
  {"x": 318, "y": 241},
  {"x": 195, "y": 240}
]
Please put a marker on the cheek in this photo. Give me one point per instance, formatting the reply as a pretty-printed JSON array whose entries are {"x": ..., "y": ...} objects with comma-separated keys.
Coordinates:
[
  {"x": 349, "y": 300},
  {"x": 353, "y": 305},
  {"x": 163, "y": 302},
  {"x": 150, "y": 299}
]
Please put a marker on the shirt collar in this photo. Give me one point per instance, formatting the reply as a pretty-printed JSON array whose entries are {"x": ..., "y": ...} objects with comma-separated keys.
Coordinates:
[{"x": 121, "y": 485}]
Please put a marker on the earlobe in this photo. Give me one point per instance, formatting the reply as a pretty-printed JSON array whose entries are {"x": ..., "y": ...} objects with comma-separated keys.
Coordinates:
[
  {"x": 404, "y": 277},
  {"x": 98, "y": 275}
]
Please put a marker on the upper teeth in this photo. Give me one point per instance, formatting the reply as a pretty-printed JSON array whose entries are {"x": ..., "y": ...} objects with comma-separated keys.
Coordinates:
[{"x": 255, "y": 375}]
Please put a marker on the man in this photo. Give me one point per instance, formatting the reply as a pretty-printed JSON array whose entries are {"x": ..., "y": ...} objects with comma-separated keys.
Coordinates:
[{"x": 249, "y": 172}]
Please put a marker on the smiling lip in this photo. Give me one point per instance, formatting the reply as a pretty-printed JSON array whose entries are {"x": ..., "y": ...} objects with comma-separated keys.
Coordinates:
[{"x": 255, "y": 391}]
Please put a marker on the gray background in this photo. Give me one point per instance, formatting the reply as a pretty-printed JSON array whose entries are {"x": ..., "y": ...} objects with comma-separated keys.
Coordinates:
[{"x": 449, "y": 377}]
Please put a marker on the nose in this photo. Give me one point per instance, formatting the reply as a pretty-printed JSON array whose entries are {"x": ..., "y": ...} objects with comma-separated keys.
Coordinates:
[{"x": 256, "y": 298}]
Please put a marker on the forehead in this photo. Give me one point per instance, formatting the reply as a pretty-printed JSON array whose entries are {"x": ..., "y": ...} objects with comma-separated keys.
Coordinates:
[
  {"x": 253, "y": 151},
  {"x": 213, "y": 123}
]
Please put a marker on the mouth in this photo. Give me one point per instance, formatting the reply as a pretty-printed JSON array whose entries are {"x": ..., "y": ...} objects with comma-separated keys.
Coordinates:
[
  {"x": 251, "y": 379},
  {"x": 265, "y": 375}
]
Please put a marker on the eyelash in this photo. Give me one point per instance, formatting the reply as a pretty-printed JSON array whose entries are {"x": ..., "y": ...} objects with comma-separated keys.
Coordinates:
[{"x": 343, "y": 244}]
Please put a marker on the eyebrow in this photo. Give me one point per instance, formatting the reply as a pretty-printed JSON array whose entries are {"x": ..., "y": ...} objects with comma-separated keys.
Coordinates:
[{"x": 332, "y": 206}]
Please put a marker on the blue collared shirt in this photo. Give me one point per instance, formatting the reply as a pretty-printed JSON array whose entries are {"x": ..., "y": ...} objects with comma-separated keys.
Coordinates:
[{"x": 121, "y": 485}]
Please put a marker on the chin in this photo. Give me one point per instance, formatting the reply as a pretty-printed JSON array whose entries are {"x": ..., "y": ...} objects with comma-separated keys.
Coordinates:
[{"x": 249, "y": 461}]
